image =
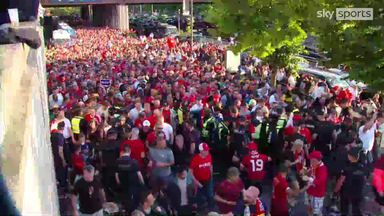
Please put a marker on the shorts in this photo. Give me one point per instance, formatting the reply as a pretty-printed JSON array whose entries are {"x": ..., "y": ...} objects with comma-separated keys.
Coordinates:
[{"x": 316, "y": 204}]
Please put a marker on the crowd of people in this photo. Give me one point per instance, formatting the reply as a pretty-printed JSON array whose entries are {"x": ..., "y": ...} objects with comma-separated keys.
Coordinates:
[{"x": 159, "y": 127}]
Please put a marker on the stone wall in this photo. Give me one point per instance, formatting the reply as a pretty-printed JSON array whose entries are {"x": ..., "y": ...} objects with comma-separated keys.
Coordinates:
[{"x": 25, "y": 150}]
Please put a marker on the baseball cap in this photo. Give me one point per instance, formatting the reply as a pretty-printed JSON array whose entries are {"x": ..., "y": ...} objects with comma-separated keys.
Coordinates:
[
  {"x": 252, "y": 146},
  {"x": 203, "y": 147},
  {"x": 146, "y": 123},
  {"x": 315, "y": 155},
  {"x": 289, "y": 131}
]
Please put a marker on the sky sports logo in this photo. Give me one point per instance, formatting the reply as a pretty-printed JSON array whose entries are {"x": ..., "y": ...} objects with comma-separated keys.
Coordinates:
[{"x": 347, "y": 14}]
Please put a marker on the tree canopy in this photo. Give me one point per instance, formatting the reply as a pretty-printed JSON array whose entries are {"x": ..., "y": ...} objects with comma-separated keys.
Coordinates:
[
  {"x": 65, "y": 11},
  {"x": 267, "y": 29},
  {"x": 274, "y": 30},
  {"x": 358, "y": 44}
]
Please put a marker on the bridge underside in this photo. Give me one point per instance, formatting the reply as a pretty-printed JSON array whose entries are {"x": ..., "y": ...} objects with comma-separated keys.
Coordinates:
[
  {"x": 115, "y": 16},
  {"x": 63, "y": 3},
  {"x": 112, "y": 13}
]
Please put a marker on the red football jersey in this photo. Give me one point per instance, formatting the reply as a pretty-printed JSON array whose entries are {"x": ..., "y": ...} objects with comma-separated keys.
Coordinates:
[
  {"x": 255, "y": 164},
  {"x": 260, "y": 210},
  {"x": 279, "y": 204},
  {"x": 137, "y": 149},
  {"x": 201, "y": 167}
]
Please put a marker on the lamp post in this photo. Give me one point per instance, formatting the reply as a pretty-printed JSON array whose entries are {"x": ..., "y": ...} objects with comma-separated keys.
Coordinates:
[
  {"x": 178, "y": 20},
  {"x": 191, "y": 23}
]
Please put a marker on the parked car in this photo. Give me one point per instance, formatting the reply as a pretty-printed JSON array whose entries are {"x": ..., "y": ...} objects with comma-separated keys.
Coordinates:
[
  {"x": 332, "y": 79},
  {"x": 169, "y": 30},
  {"x": 61, "y": 34}
]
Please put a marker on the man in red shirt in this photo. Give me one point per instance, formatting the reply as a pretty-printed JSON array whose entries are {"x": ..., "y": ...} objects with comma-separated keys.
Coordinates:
[
  {"x": 153, "y": 117},
  {"x": 254, "y": 163},
  {"x": 229, "y": 191},
  {"x": 201, "y": 170},
  {"x": 166, "y": 111},
  {"x": 281, "y": 190},
  {"x": 78, "y": 163},
  {"x": 137, "y": 147},
  {"x": 139, "y": 121},
  {"x": 317, "y": 183},
  {"x": 302, "y": 129},
  {"x": 298, "y": 126},
  {"x": 151, "y": 137}
]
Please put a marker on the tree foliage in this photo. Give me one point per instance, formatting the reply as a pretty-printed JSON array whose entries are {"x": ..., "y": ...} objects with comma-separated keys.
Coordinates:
[
  {"x": 268, "y": 29},
  {"x": 358, "y": 44},
  {"x": 274, "y": 31},
  {"x": 64, "y": 11}
]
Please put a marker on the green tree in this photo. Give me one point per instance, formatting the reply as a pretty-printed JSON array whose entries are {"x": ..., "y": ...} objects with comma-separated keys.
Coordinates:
[
  {"x": 358, "y": 44},
  {"x": 64, "y": 11},
  {"x": 270, "y": 30},
  {"x": 274, "y": 30}
]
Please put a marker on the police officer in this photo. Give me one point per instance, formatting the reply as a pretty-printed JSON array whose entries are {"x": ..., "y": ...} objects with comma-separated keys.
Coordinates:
[
  {"x": 351, "y": 182},
  {"x": 79, "y": 125},
  {"x": 108, "y": 154},
  {"x": 129, "y": 178}
]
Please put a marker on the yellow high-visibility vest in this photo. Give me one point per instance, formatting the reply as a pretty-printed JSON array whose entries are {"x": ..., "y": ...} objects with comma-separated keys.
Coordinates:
[
  {"x": 205, "y": 132},
  {"x": 256, "y": 135},
  {"x": 76, "y": 124},
  {"x": 281, "y": 123},
  {"x": 222, "y": 126},
  {"x": 180, "y": 116}
]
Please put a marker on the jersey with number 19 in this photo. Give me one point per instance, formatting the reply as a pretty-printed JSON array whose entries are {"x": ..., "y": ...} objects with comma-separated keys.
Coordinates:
[{"x": 255, "y": 165}]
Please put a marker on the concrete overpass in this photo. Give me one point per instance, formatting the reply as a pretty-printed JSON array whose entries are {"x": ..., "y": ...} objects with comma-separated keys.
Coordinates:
[{"x": 112, "y": 13}]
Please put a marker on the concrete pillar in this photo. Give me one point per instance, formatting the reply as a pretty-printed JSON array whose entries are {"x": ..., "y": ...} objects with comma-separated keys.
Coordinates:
[
  {"x": 97, "y": 18},
  {"x": 114, "y": 16},
  {"x": 123, "y": 17},
  {"x": 86, "y": 13}
]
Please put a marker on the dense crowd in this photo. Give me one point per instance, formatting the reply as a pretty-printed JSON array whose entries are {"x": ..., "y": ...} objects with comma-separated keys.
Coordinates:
[{"x": 159, "y": 127}]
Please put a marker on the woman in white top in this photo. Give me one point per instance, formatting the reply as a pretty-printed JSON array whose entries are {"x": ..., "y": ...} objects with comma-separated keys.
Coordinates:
[{"x": 67, "y": 133}]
